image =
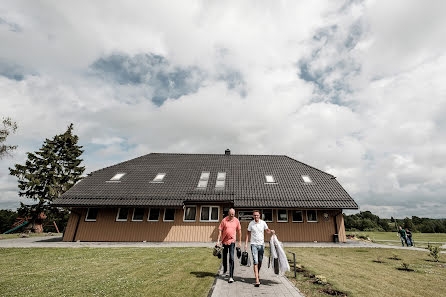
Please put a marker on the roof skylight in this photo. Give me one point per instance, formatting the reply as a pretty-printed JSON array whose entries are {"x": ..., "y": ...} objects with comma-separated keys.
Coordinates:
[
  {"x": 270, "y": 179},
  {"x": 221, "y": 178},
  {"x": 117, "y": 177},
  {"x": 204, "y": 178},
  {"x": 159, "y": 177},
  {"x": 306, "y": 179}
]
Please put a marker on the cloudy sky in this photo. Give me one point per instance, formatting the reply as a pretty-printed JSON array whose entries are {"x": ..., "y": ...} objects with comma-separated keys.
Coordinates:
[{"x": 355, "y": 88}]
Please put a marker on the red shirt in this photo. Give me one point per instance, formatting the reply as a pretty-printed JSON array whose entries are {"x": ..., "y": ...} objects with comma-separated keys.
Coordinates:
[{"x": 228, "y": 230}]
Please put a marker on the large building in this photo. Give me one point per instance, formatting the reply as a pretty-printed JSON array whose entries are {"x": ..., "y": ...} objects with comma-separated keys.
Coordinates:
[{"x": 183, "y": 197}]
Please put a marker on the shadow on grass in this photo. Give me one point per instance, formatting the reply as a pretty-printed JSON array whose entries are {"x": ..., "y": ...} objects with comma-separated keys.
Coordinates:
[{"x": 203, "y": 274}]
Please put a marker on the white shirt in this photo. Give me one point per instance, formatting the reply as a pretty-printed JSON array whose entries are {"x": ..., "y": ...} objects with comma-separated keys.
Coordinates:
[{"x": 257, "y": 231}]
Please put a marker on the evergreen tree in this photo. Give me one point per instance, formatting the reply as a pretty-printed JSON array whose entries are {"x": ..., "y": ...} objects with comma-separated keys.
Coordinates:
[
  {"x": 8, "y": 127},
  {"x": 48, "y": 173}
]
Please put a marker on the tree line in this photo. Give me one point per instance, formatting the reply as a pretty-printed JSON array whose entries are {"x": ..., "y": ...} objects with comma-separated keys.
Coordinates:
[{"x": 367, "y": 221}]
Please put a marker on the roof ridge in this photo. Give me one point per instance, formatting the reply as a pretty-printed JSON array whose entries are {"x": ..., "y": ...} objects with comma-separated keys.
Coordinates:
[
  {"x": 119, "y": 163},
  {"x": 311, "y": 166}
]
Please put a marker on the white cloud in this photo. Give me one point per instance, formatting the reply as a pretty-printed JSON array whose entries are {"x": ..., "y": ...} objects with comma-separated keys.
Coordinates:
[{"x": 353, "y": 88}]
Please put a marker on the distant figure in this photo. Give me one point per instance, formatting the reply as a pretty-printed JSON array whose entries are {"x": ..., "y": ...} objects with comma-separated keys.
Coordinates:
[
  {"x": 409, "y": 237},
  {"x": 402, "y": 234}
]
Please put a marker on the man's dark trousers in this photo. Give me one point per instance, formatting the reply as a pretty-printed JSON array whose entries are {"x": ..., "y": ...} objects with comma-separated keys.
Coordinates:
[{"x": 228, "y": 248}]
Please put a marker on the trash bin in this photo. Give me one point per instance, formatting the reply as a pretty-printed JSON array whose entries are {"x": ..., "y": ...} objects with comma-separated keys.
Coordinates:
[{"x": 335, "y": 238}]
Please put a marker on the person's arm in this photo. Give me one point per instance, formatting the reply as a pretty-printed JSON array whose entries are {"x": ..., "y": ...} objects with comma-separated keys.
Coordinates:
[
  {"x": 248, "y": 233},
  {"x": 268, "y": 230},
  {"x": 240, "y": 237},
  {"x": 219, "y": 236}
]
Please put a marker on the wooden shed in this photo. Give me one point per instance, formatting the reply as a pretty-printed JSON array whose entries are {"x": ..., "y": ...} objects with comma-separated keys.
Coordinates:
[{"x": 183, "y": 197}]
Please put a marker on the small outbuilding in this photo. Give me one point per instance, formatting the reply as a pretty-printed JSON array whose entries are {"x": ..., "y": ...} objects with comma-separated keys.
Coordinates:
[{"x": 183, "y": 197}]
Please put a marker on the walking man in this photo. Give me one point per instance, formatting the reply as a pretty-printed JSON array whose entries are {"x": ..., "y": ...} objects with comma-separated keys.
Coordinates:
[
  {"x": 402, "y": 234},
  {"x": 256, "y": 230},
  {"x": 227, "y": 233}
]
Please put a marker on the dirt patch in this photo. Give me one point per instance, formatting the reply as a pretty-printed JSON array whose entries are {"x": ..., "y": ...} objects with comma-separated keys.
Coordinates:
[{"x": 332, "y": 292}]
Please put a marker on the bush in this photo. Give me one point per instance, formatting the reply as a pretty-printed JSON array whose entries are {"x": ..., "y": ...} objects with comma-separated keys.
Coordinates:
[{"x": 434, "y": 252}]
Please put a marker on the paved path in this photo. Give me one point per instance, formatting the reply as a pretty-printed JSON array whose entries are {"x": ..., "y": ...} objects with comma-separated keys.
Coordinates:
[
  {"x": 55, "y": 241},
  {"x": 271, "y": 285}
]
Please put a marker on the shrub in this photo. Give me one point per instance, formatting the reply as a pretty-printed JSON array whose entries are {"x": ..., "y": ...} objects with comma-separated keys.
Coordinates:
[{"x": 434, "y": 252}]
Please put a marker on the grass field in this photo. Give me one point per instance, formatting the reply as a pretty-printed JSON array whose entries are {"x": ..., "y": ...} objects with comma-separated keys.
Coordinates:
[
  {"x": 392, "y": 238},
  {"x": 354, "y": 272},
  {"x": 107, "y": 271}
]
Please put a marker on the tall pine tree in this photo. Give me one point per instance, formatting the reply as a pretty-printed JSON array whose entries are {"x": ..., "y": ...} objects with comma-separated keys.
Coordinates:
[{"x": 47, "y": 174}]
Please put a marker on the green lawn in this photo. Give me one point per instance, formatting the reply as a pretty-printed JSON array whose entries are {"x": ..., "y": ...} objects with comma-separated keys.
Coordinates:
[
  {"x": 420, "y": 239},
  {"x": 354, "y": 272},
  {"x": 107, "y": 271}
]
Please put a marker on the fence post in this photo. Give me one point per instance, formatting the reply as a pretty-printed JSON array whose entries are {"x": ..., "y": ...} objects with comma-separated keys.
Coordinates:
[{"x": 294, "y": 265}]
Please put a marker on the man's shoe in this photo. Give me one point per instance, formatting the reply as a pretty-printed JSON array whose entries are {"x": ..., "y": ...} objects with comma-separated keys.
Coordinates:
[
  {"x": 226, "y": 273},
  {"x": 231, "y": 280},
  {"x": 257, "y": 285}
]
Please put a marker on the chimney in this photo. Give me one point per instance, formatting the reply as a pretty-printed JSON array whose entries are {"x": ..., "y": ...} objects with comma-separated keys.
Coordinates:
[{"x": 227, "y": 152}]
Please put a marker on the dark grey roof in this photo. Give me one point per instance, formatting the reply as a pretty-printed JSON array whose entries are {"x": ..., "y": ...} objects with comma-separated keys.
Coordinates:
[{"x": 245, "y": 183}]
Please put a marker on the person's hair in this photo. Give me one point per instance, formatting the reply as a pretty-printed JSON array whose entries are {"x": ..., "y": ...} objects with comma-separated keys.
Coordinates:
[{"x": 255, "y": 211}]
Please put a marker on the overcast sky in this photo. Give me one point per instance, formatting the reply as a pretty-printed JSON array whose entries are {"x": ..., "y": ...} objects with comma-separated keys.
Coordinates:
[{"x": 354, "y": 88}]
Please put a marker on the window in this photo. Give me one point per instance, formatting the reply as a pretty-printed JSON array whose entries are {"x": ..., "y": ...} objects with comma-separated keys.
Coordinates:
[
  {"x": 270, "y": 179},
  {"x": 209, "y": 213},
  {"x": 311, "y": 216},
  {"x": 138, "y": 214},
  {"x": 267, "y": 215},
  {"x": 190, "y": 213},
  {"x": 221, "y": 178},
  {"x": 117, "y": 177},
  {"x": 123, "y": 214},
  {"x": 204, "y": 178},
  {"x": 159, "y": 178},
  {"x": 154, "y": 215},
  {"x": 282, "y": 215},
  {"x": 306, "y": 179},
  {"x": 92, "y": 213},
  {"x": 297, "y": 216},
  {"x": 169, "y": 215}
]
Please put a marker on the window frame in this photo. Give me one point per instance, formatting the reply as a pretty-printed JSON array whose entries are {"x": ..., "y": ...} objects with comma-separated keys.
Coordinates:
[
  {"x": 221, "y": 177},
  {"x": 315, "y": 210},
  {"x": 164, "y": 214},
  {"x": 148, "y": 215},
  {"x": 117, "y": 215},
  {"x": 210, "y": 213},
  {"x": 114, "y": 179},
  {"x": 269, "y": 182},
  {"x": 278, "y": 217},
  {"x": 272, "y": 215},
  {"x": 202, "y": 179},
  {"x": 309, "y": 178},
  {"x": 184, "y": 213},
  {"x": 86, "y": 215},
  {"x": 160, "y": 181},
  {"x": 292, "y": 215},
  {"x": 143, "y": 213}
]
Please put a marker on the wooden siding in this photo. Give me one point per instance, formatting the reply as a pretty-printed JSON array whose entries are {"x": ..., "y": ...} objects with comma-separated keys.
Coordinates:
[{"x": 106, "y": 228}]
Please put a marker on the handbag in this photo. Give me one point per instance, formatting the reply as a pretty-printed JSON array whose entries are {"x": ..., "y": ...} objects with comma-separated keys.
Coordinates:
[
  {"x": 239, "y": 252},
  {"x": 244, "y": 259},
  {"x": 217, "y": 251}
]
